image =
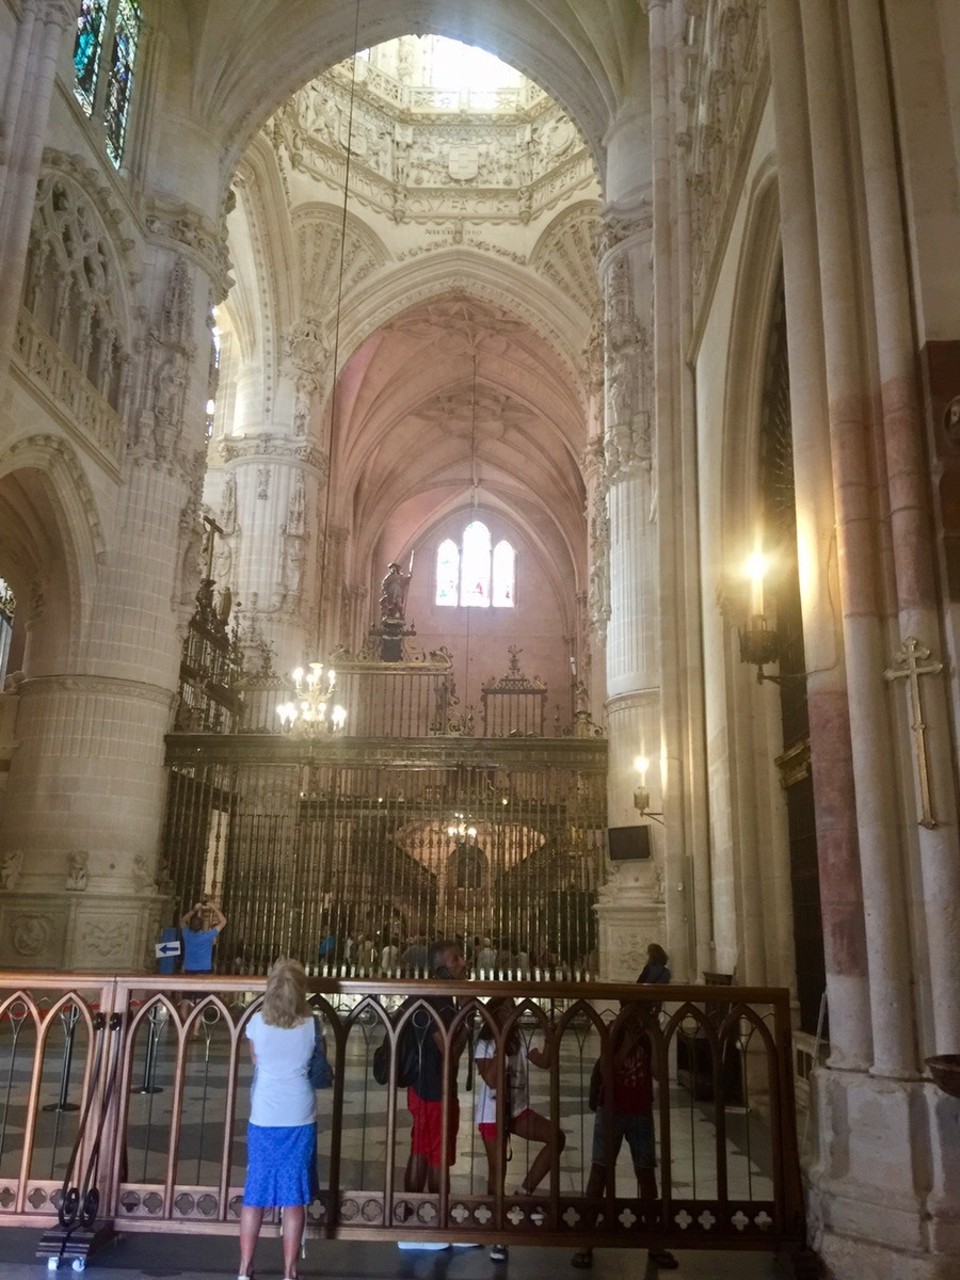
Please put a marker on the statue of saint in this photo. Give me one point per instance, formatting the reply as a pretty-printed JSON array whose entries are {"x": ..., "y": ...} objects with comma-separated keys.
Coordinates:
[{"x": 393, "y": 593}]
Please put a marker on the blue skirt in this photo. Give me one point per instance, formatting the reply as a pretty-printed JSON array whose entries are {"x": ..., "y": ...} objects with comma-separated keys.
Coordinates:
[{"x": 282, "y": 1166}]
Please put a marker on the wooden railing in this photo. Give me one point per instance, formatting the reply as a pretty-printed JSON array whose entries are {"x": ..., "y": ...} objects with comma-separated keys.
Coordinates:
[{"x": 155, "y": 1106}]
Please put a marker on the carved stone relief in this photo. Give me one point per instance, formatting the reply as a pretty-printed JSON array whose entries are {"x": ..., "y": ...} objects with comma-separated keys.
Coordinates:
[
  {"x": 30, "y": 934},
  {"x": 76, "y": 276},
  {"x": 411, "y": 160},
  {"x": 727, "y": 68}
]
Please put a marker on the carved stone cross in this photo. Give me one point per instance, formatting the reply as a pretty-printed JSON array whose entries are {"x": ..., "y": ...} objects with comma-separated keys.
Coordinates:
[{"x": 909, "y": 663}]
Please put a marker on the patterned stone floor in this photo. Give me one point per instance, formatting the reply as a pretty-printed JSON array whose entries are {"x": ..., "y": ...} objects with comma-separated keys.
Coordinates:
[{"x": 150, "y": 1257}]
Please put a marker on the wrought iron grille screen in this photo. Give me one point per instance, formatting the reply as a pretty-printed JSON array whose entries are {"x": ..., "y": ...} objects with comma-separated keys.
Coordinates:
[{"x": 352, "y": 855}]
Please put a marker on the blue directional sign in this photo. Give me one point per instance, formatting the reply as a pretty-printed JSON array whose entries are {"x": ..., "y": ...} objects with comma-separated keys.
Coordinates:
[{"x": 168, "y": 949}]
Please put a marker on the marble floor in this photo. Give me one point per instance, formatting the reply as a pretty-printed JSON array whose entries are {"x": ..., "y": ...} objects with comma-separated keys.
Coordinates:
[{"x": 152, "y": 1257}]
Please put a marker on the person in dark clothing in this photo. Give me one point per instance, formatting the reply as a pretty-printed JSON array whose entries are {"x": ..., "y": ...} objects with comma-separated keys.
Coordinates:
[
  {"x": 629, "y": 1116},
  {"x": 425, "y": 1093},
  {"x": 655, "y": 970}
]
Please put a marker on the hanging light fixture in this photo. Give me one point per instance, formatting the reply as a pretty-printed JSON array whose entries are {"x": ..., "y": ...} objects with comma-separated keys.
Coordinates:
[
  {"x": 309, "y": 712},
  {"x": 461, "y": 827}
]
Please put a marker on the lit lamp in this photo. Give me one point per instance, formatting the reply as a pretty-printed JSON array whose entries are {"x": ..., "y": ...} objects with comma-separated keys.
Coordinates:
[
  {"x": 759, "y": 643},
  {"x": 310, "y": 713},
  {"x": 641, "y": 793},
  {"x": 460, "y": 828}
]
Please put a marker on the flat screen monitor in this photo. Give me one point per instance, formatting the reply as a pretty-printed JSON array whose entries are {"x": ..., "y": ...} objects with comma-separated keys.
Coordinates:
[{"x": 627, "y": 844}]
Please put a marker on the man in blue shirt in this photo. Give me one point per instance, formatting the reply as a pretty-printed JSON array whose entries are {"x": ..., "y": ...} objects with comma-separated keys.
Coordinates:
[{"x": 199, "y": 928}]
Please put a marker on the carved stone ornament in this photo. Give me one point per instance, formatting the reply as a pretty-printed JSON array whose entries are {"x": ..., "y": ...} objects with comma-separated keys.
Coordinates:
[
  {"x": 78, "y": 864},
  {"x": 411, "y": 160},
  {"x": 727, "y": 68},
  {"x": 10, "y": 868},
  {"x": 598, "y": 595},
  {"x": 105, "y": 938},
  {"x": 617, "y": 228},
  {"x": 273, "y": 448},
  {"x": 142, "y": 879},
  {"x": 178, "y": 225},
  {"x": 30, "y": 934}
]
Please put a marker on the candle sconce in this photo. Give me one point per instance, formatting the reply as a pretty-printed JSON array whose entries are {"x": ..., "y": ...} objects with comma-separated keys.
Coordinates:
[
  {"x": 641, "y": 792},
  {"x": 760, "y": 644}
]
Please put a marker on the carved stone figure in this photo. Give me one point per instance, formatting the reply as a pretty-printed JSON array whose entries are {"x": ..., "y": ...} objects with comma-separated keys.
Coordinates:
[
  {"x": 77, "y": 871},
  {"x": 10, "y": 868}
]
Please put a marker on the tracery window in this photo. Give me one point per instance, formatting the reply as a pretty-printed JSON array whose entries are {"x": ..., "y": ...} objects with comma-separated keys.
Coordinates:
[
  {"x": 476, "y": 574},
  {"x": 108, "y": 33}
]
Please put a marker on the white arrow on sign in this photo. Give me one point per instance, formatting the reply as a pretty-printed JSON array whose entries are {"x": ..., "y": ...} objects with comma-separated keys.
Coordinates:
[{"x": 168, "y": 948}]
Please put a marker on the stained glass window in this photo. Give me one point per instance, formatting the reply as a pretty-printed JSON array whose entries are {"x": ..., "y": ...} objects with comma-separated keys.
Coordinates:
[
  {"x": 473, "y": 576},
  {"x": 126, "y": 34},
  {"x": 86, "y": 51},
  {"x": 504, "y": 561},
  {"x": 448, "y": 572}
]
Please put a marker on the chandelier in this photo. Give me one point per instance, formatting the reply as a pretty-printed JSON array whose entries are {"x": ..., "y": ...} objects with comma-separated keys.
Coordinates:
[
  {"x": 461, "y": 827},
  {"x": 310, "y": 712}
]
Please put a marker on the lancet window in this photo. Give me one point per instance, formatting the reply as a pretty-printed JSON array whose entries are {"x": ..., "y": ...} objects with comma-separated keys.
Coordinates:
[
  {"x": 104, "y": 54},
  {"x": 476, "y": 574}
]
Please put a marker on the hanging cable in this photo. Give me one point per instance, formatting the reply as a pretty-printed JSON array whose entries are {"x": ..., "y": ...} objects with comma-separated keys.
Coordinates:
[{"x": 325, "y": 523}]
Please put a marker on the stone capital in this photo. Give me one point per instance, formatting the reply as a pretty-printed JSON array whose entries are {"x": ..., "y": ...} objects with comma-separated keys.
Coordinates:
[{"x": 272, "y": 448}]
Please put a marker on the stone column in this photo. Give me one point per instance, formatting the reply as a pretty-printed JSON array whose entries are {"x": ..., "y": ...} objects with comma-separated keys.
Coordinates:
[
  {"x": 39, "y": 37},
  {"x": 269, "y": 518},
  {"x": 911, "y": 523},
  {"x": 861, "y": 605},
  {"x": 841, "y": 891},
  {"x": 628, "y": 526},
  {"x": 87, "y": 781}
]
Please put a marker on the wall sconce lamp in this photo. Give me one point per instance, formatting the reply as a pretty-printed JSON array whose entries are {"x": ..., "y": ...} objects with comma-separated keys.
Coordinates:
[
  {"x": 759, "y": 644},
  {"x": 641, "y": 793}
]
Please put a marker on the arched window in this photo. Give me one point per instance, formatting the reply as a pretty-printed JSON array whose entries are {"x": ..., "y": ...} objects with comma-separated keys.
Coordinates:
[
  {"x": 473, "y": 575},
  {"x": 475, "y": 566},
  {"x": 448, "y": 572},
  {"x": 108, "y": 32},
  {"x": 504, "y": 560}
]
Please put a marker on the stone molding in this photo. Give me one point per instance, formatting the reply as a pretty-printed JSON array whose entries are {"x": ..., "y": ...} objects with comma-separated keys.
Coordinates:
[
  {"x": 54, "y": 453},
  {"x": 621, "y": 227},
  {"x": 272, "y": 448},
  {"x": 99, "y": 686},
  {"x": 183, "y": 229}
]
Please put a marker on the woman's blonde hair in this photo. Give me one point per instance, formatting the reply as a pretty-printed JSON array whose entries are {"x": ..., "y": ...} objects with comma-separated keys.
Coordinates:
[{"x": 285, "y": 999}]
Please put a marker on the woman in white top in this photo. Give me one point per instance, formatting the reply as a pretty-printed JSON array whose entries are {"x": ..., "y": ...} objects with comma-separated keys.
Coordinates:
[
  {"x": 282, "y": 1133},
  {"x": 519, "y": 1117}
]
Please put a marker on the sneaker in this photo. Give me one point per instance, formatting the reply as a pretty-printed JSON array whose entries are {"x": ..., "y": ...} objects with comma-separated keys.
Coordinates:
[
  {"x": 499, "y": 1253},
  {"x": 663, "y": 1259}
]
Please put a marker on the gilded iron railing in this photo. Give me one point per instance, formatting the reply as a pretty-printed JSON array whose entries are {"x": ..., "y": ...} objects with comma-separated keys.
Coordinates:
[{"x": 172, "y": 1129}]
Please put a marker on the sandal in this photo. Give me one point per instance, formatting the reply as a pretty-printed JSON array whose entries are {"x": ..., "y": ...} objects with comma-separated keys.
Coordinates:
[{"x": 583, "y": 1259}]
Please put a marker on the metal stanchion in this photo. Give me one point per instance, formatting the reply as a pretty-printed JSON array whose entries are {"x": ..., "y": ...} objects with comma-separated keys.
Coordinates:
[
  {"x": 155, "y": 1017},
  {"x": 69, "y": 1016}
]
